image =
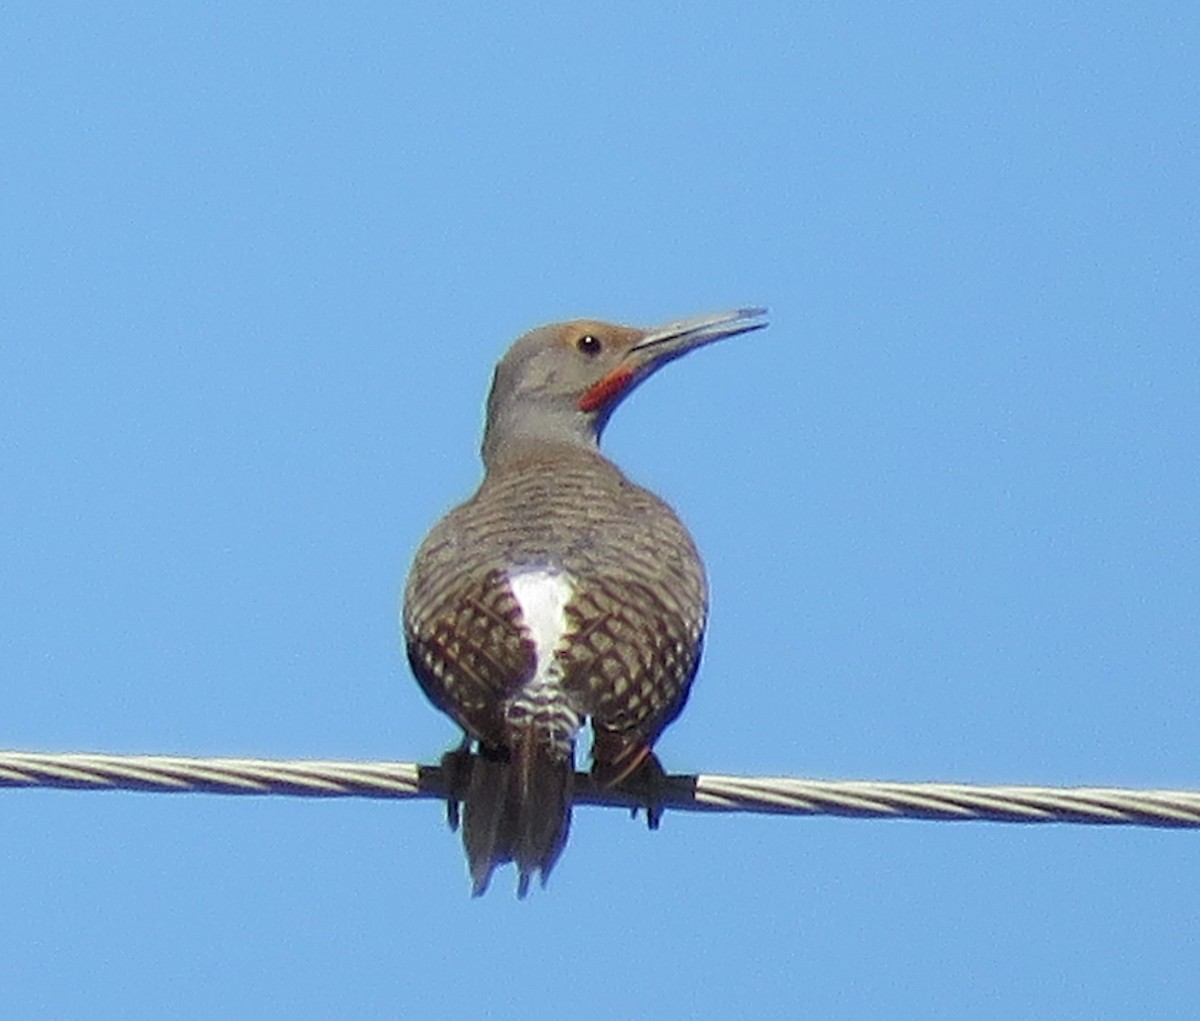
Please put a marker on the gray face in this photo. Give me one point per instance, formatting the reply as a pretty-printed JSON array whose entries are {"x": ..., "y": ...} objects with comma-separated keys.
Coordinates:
[
  {"x": 541, "y": 383},
  {"x": 559, "y": 363},
  {"x": 561, "y": 383}
]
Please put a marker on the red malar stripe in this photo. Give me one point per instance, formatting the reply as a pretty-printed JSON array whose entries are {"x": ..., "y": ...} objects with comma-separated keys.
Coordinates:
[{"x": 600, "y": 393}]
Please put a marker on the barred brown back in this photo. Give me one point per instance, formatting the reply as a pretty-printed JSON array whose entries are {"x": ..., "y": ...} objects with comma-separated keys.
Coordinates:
[{"x": 635, "y": 620}]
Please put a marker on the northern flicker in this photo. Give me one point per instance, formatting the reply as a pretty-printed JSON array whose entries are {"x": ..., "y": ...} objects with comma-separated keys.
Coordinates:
[{"x": 559, "y": 593}]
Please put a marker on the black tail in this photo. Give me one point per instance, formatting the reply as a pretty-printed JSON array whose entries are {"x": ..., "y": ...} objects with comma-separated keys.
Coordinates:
[{"x": 518, "y": 807}]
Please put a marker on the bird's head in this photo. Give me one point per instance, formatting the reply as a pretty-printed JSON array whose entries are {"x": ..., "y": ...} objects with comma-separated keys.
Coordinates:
[{"x": 560, "y": 383}]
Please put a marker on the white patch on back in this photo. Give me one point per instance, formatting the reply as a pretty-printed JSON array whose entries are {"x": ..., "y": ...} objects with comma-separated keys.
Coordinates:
[{"x": 542, "y": 594}]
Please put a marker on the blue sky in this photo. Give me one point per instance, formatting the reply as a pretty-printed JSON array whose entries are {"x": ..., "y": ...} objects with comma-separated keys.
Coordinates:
[{"x": 257, "y": 263}]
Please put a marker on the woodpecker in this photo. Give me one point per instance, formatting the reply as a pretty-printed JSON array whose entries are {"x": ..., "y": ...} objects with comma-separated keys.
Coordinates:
[{"x": 560, "y": 593}]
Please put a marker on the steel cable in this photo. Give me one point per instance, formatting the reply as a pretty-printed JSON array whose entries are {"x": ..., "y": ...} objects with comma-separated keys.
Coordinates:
[{"x": 703, "y": 792}]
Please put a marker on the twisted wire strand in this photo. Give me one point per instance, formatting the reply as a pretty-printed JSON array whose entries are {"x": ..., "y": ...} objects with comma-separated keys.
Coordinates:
[{"x": 863, "y": 799}]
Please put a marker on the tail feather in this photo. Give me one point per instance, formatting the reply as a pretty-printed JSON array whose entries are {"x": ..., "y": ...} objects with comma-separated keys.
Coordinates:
[{"x": 518, "y": 808}]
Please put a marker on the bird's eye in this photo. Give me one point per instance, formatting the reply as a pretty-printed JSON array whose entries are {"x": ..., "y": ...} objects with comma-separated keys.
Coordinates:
[{"x": 589, "y": 344}]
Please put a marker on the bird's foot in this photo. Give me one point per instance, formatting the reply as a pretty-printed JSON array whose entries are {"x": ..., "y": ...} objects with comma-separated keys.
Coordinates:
[
  {"x": 649, "y": 782},
  {"x": 456, "y": 770}
]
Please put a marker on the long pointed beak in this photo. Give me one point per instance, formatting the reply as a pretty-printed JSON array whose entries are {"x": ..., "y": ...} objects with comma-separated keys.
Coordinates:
[{"x": 675, "y": 339}]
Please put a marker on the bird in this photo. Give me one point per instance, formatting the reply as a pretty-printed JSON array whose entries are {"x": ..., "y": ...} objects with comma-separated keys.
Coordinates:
[{"x": 559, "y": 595}]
